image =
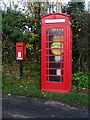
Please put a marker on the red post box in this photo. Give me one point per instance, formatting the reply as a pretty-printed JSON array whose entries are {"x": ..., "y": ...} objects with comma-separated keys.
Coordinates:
[
  {"x": 20, "y": 51},
  {"x": 56, "y": 52}
]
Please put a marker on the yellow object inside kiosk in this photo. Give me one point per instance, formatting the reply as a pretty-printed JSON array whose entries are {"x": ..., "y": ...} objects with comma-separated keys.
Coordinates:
[{"x": 56, "y": 45}]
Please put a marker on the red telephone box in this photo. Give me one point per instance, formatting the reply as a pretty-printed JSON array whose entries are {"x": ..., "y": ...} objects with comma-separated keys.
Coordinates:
[
  {"x": 56, "y": 52},
  {"x": 20, "y": 51}
]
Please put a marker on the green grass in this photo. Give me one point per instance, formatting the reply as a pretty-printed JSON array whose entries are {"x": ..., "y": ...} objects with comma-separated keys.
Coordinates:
[{"x": 30, "y": 86}]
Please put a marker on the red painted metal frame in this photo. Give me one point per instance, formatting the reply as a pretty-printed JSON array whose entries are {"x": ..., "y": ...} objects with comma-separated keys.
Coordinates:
[
  {"x": 53, "y": 85},
  {"x": 21, "y": 47}
]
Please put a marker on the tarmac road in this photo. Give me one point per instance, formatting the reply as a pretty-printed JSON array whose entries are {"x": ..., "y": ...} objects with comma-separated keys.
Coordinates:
[{"x": 29, "y": 107}]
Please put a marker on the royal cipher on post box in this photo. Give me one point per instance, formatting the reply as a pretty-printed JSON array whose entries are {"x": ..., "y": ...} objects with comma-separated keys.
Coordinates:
[
  {"x": 20, "y": 51},
  {"x": 56, "y": 52}
]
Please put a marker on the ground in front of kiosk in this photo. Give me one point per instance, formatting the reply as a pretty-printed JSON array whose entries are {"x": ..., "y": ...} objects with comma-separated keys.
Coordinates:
[{"x": 29, "y": 107}]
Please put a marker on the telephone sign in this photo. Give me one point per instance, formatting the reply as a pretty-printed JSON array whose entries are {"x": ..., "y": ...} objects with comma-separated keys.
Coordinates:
[{"x": 56, "y": 55}]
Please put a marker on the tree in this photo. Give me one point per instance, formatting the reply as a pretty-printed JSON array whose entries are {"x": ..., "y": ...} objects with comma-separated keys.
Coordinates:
[
  {"x": 35, "y": 12},
  {"x": 80, "y": 39},
  {"x": 12, "y": 22}
]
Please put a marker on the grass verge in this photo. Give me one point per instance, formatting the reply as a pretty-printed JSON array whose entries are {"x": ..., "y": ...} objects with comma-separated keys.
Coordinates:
[{"x": 30, "y": 86}]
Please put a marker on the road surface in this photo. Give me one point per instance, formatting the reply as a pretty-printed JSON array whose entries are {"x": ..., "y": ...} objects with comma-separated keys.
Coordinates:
[{"x": 29, "y": 107}]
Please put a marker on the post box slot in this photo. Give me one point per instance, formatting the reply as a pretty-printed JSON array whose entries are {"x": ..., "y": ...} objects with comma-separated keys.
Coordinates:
[{"x": 19, "y": 46}]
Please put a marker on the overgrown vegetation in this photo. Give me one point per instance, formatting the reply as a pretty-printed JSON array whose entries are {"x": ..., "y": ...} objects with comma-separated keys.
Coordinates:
[
  {"x": 80, "y": 35},
  {"x": 81, "y": 80},
  {"x": 30, "y": 85}
]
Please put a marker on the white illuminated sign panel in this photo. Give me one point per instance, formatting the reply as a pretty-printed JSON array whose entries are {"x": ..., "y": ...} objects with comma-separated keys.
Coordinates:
[{"x": 54, "y": 20}]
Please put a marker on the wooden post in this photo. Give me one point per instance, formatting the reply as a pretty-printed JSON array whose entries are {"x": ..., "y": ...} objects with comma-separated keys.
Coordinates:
[{"x": 21, "y": 69}]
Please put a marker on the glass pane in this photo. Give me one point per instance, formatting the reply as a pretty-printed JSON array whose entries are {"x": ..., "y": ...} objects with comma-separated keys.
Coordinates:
[
  {"x": 58, "y": 58},
  {"x": 54, "y": 31},
  {"x": 54, "y": 78},
  {"x": 52, "y": 72},
  {"x": 55, "y": 38},
  {"x": 62, "y": 31},
  {"x": 51, "y": 58},
  {"x": 54, "y": 65}
]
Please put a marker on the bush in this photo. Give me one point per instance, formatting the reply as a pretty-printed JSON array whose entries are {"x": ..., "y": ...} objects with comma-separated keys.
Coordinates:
[{"x": 80, "y": 80}]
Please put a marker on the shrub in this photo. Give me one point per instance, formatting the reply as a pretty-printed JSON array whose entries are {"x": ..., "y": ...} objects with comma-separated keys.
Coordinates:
[{"x": 80, "y": 80}]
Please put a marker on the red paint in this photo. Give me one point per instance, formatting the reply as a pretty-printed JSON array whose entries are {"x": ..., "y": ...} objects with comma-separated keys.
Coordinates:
[
  {"x": 20, "y": 51},
  {"x": 56, "y": 52}
]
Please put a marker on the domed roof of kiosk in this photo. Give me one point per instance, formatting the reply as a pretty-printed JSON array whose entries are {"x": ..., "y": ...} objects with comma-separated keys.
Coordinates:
[{"x": 56, "y": 15}]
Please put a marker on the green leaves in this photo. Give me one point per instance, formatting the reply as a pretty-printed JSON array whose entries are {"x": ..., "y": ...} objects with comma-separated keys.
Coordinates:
[
  {"x": 81, "y": 80},
  {"x": 80, "y": 35},
  {"x": 12, "y": 22}
]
